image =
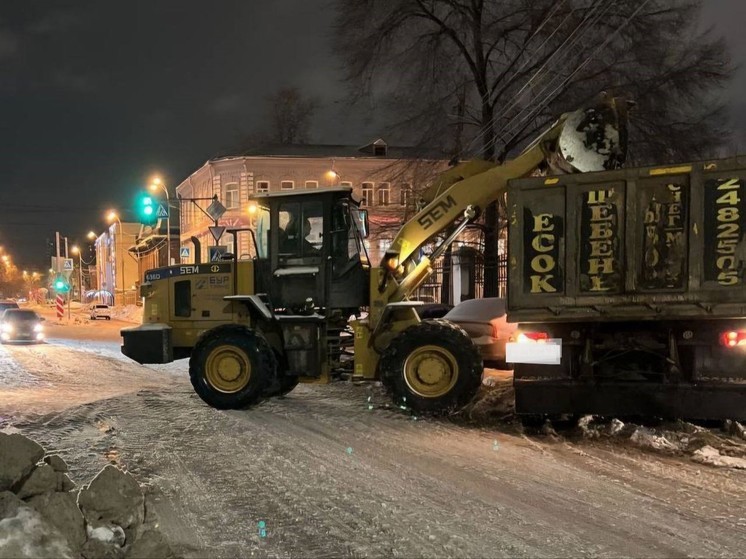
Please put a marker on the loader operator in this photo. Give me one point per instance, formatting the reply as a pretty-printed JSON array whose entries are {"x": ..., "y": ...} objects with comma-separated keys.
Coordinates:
[{"x": 290, "y": 243}]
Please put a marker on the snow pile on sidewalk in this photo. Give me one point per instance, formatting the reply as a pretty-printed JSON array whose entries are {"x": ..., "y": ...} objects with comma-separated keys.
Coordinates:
[
  {"x": 42, "y": 516},
  {"x": 128, "y": 313}
]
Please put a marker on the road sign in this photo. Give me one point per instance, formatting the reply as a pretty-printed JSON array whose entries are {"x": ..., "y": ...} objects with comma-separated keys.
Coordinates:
[
  {"x": 215, "y": 210},
  {"x": 68, "y": 265},
  {"x": 216, "y": 253},
  {"x": 184, "y": 252},
  {"x": 162, "y": 211},
  {"x": 217, "y": 232},
  {"x": 60, "y": 304}
]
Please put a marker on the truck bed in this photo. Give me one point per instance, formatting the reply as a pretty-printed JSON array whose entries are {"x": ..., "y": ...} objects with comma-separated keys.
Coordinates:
[{"x": 646, "y": 243}]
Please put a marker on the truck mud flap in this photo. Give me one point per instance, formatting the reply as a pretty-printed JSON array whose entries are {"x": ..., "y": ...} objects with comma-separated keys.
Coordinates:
[
  {"x": 149, "y": 343},
  {"x": 628, "y": 399}
]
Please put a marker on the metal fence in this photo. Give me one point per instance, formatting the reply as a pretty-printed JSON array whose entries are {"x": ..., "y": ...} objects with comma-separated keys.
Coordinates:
[{"x": 461, "y": 276}]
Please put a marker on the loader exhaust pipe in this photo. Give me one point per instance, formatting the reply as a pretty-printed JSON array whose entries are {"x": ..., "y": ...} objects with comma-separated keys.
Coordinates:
[{"x": 197, "y": 250}]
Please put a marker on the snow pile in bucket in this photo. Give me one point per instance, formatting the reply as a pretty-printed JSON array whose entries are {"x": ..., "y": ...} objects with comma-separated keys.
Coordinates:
[
  {"x": 128, "y": 313},
  {"x": 43, "y": 515}
]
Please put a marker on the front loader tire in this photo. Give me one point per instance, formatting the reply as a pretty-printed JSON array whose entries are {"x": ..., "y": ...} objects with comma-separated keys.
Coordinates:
[
  {"x": 231, "y": 366},
  {"x": 432, "y": 367}
]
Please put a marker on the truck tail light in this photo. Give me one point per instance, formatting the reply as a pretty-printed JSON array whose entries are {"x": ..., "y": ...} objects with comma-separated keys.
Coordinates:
[
  {"x": 733, "y": 338},
  {"x": 532, "y": 337}
]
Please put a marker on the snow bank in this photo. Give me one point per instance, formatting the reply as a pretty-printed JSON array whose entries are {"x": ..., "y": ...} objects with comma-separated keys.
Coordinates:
[
  {"x": 41, "y": 515},
  {"x": 128, "y": 313},
  {"x": 725, "y": 448}
]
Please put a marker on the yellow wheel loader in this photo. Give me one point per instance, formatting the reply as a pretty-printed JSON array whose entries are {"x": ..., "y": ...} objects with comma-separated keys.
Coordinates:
[{"x": 309, "y": 305}]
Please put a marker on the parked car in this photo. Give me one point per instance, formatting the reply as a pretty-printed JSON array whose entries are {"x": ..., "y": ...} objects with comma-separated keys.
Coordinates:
[
  {"x": 433, "y": 310},
  {"x": 486, "y": 323},
  {"x": 21, "y": 325},
  {"x": 100, "y": 311},
  {"x": 5, "y": 305}
]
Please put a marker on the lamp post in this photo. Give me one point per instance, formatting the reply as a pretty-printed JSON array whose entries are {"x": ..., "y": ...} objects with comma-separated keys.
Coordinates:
[
  {"x": 155, "y": 185},
  {"x": 76, "y": 250},
  {"x": 112, "y": 216}
]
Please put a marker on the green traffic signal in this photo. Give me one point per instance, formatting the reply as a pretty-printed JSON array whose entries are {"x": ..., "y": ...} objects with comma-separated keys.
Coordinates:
[
  {"x": 61, "y": 286},
  {"x": 146, "y": 210}
]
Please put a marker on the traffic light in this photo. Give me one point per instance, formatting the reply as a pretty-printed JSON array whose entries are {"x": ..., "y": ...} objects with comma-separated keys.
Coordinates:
[
  {"x": 146, "y": 209},
  {"x": 60, "y": 285}
]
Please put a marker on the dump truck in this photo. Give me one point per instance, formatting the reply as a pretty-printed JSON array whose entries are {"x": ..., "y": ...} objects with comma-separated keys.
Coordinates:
[
  {"x": 629, "y": 289},
  {"x": 255, "y": 328}
]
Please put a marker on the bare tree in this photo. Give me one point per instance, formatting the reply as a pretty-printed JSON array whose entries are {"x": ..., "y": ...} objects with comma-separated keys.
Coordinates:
[
  {"x": 290, "y": 115},
  {"x": 511, "y": 66}
]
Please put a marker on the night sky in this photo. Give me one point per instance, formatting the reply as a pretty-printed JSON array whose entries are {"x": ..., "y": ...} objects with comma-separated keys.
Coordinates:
[{"x": 97, "y": 96}]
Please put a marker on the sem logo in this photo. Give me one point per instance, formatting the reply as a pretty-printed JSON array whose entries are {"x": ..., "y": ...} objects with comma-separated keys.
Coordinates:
[
  {"x": 436, "y": 212},
  {"x": 189, "y": 270}
]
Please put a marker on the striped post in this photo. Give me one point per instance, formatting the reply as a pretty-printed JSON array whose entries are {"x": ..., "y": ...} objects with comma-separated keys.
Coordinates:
[{"x": 60, "y": 306}]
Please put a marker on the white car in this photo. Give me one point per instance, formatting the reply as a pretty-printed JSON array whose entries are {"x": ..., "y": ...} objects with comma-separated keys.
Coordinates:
[{"x": 100, "y": 311}]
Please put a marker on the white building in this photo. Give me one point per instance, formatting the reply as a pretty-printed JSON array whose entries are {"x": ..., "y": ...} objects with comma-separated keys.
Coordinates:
[
  {"x": 116, "y": 269},
  {"x": 384, "y": 178}
]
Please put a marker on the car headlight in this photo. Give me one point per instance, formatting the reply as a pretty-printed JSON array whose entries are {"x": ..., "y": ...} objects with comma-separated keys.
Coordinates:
[
  {"x": 38, "y": 328},
  {"x": 7, "y": 328}
]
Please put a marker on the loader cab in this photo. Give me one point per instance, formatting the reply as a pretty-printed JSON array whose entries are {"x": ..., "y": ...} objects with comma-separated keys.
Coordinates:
[{"x": 310, "y": 251}]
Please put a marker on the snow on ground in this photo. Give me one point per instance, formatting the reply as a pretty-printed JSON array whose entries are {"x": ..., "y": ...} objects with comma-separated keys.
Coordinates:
[
  {"x": 128, "y": 313},
  {"x": 337, "y": 471},
  {"x": 26, "y": 535}
]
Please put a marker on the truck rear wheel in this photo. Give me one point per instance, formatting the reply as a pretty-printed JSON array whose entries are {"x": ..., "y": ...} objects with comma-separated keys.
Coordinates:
[
  {"x": 231, "y": 366},
  {"x": 432, "y": 367}
]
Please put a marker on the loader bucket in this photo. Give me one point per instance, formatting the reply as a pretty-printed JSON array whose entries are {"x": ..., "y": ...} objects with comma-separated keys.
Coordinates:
[{"x": 595, "y": 138}]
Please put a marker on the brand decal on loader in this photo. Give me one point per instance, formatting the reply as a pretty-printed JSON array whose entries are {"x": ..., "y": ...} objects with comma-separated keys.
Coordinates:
[{"x": 436, "y": 212}]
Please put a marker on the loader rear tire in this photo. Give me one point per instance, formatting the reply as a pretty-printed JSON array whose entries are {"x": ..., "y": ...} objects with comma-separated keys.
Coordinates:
[
  {"x": 432, "y": 368},
  {"x": 231, "y": 366}
]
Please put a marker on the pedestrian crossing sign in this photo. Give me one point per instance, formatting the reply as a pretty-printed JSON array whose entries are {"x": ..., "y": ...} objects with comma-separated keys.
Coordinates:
[
  {"x": 162, "y": 211},
  {"x": 184, "y": 252}
]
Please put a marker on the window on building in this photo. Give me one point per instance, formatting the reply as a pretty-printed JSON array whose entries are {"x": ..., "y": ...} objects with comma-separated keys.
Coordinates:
[
  {"x": 262, "y": 186},
  {"x": 183, "y": 298},
  {"x": 367, "y": 194},
  {"x": 345, "y": 183},
  {"x": 384, "y": 193},
  {"x": 405, "y": 195},
  {"x": 287, "y": 185},
  {"x": 230, "y": 196},
  {"x": 312, "y": 184}
]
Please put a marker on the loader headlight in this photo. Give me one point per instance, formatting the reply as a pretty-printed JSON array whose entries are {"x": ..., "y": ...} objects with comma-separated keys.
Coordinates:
[
  {"x": 7, "y": 328},
  {"x": 38, "y": 328}
]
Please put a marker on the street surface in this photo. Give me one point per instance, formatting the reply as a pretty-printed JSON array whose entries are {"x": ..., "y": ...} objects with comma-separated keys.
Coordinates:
[{"x": 330, "y": 477}]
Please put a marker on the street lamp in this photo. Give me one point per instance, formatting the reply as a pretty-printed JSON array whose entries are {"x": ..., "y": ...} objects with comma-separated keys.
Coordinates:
[
  {"x": 76, "y": 250},
  {"x": 333, "y": 176},
  {"x": 155, "y": 185},
  {"x": 112, "y": 216}
]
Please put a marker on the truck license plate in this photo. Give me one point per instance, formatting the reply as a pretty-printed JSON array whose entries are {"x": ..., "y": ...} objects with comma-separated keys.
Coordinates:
[{"x": 544, "y": 353}]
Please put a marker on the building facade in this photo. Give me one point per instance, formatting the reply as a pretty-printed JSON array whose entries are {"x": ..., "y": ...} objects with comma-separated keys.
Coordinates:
[
  {"x": 117, "y": 270},
  {"x": 385, "y": 179}
]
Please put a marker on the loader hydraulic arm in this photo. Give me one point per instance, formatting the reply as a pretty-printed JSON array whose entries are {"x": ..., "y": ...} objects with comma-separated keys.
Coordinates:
[{"x": 584, "y": 140}]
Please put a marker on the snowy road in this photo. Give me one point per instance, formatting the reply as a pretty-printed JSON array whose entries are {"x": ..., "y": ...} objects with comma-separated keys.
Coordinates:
[{"x": 330, "y": 477}]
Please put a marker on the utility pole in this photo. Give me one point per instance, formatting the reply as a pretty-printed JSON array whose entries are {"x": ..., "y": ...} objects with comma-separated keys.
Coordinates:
[{"x": 57, "y": 260}]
